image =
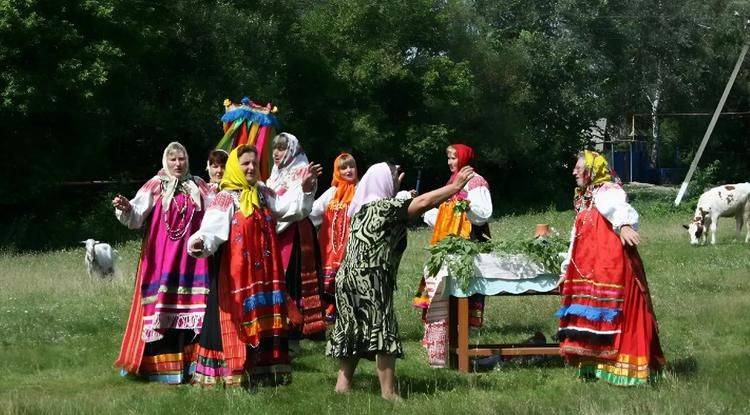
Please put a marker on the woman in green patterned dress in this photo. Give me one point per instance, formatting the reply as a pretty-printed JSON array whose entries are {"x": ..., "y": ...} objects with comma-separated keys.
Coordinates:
[{"x": 366, "y": 325}]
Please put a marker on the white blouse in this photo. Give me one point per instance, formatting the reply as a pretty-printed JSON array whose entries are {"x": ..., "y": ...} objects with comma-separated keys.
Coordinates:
[
  {"x": 141, "y": 205},
  {"x": 212, "y": 191},
  {"x": 298, "y": 208},
  {"x": 319, "y": 206},
  {"x": 612, "y": 202},
  {"x": 215, "y": 227},
  {"x": 480, "y": 203}
]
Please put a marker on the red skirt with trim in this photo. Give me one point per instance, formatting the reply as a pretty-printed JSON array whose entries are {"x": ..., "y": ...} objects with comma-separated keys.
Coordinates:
[
  {"x": 607, "y": 325},
  {"x": 244, "y": 339}
]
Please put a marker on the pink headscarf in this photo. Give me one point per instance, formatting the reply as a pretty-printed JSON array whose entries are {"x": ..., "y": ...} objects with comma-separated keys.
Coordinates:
[{"x": 376, "y": 184}]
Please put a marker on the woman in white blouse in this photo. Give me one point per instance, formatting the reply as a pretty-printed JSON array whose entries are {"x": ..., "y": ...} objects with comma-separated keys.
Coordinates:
[
  {"x": 607, "y": 324},
  {"x": 299, "y": 245}
]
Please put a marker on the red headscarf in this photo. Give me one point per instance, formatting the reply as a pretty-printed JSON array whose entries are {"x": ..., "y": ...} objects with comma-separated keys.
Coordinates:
[
  {"x": 464, "y": 156},
  {"x": 344, "y": 188}
]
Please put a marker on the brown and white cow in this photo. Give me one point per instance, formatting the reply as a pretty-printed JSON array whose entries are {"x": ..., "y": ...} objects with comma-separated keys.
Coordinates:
[{"x": 722, "y": 201}]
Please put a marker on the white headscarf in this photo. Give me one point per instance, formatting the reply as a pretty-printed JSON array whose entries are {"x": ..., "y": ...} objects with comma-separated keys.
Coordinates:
[
  {"x": 171, "y": 184},
  {"x": 376, "y": 184},
  {"x": 288, "y": 174}
]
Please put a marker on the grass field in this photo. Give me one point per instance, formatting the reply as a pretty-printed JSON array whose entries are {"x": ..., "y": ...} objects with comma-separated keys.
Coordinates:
[{"x": 60, "y": 333}]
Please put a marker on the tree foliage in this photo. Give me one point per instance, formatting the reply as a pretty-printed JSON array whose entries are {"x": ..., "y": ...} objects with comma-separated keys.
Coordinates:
[{"x": 96, "y": 88}]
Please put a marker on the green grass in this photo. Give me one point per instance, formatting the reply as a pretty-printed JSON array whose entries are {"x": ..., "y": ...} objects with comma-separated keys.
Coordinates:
[{"x": 60, "y": 333}]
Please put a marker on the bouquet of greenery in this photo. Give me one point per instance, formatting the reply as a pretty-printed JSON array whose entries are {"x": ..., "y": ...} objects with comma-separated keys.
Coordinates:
[
  {"x": 544, "y": 249},
  {"x": 458, "y": 254}
]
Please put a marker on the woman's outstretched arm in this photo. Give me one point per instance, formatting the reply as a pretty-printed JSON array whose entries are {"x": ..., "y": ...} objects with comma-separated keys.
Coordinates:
[{"x": 424, "y": 202}]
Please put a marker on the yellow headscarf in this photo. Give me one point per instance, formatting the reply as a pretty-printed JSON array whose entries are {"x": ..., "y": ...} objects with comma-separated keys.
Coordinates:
[
  {"x": 234, "y": 179},
  {"x": 596, "y": 164}
]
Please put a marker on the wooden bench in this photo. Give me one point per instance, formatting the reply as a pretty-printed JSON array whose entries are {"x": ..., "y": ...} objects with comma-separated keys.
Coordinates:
[{"x": 461, "y": 351}]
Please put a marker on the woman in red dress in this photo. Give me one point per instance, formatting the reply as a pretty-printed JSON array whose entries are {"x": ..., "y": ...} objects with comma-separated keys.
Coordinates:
[
  {"x": 607, "y": 325},
  {"x": 300, "y": 253},
  {"x": 329, "y": 213}
]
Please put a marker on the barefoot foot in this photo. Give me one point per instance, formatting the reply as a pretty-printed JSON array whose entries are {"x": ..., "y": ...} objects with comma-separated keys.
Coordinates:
[{"x": 392, "y": 397}]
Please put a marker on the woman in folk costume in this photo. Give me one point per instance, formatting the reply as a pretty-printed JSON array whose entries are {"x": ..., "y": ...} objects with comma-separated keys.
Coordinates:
[
  {"x": 244, "y": 339},
  {"x": 465, "y": 214},
  {"x": 300, "y": 253},
  {"x": 607, "y": 325},
  {"x": 169, "y": 298},
  {"x": 329, "y": 213},
  {"x": 366, "y": 325}
]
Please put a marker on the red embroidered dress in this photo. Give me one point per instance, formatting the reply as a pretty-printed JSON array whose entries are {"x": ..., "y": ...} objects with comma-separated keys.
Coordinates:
[
  {"x": 251, "y": 334},
  {"x": 334, "y": 233},
  {"x": 245, "y": 334},
  {"x": 299, "y": 245},
  {"x": 607, "y": 325}
]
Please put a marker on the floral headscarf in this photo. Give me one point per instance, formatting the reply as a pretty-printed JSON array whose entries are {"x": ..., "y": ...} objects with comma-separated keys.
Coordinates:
[{"x": 288, "y": 173}]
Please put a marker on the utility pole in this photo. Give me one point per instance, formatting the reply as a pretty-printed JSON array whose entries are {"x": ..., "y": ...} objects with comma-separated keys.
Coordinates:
[{"x": 710, "y": 129}]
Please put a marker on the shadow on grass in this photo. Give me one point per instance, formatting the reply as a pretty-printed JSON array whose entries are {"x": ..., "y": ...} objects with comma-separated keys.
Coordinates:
[
  {"x": 519, "y": 362},
  {"x": 515, "y": 328},
  {"x": 131, "y": 377},
  {"x": 442, "y": 380},
  {"x": 684, "y": 367},
  {"x": 418, "y": 385},
  {"x": 299, "y": 365},
  {"x": 485, "y": 333}
]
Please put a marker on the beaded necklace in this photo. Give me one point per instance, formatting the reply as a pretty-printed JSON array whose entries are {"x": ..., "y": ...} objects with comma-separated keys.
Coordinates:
[{"x": 180, "y": 229}]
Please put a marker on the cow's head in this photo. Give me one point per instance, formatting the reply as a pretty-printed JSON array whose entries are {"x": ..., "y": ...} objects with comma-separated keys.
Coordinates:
[
  {"x": 697, "y": 227},
  {"x": 695, "y": 230}
]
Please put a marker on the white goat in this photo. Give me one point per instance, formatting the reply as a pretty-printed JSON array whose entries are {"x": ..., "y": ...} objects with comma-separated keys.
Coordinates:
[
  {"x": 100, "y": 258},
  {"x": 722, "y": 201}
]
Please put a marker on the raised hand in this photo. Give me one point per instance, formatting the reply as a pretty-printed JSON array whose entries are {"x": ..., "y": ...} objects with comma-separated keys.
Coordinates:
[
  {"x": 121, "y": 203},
  {"x": 463, "y": 177},
  {"x": 310, "y": 177}
]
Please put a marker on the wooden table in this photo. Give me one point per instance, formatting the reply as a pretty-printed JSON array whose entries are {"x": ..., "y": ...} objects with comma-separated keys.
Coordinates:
[{"x": 461, "y": 351}]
